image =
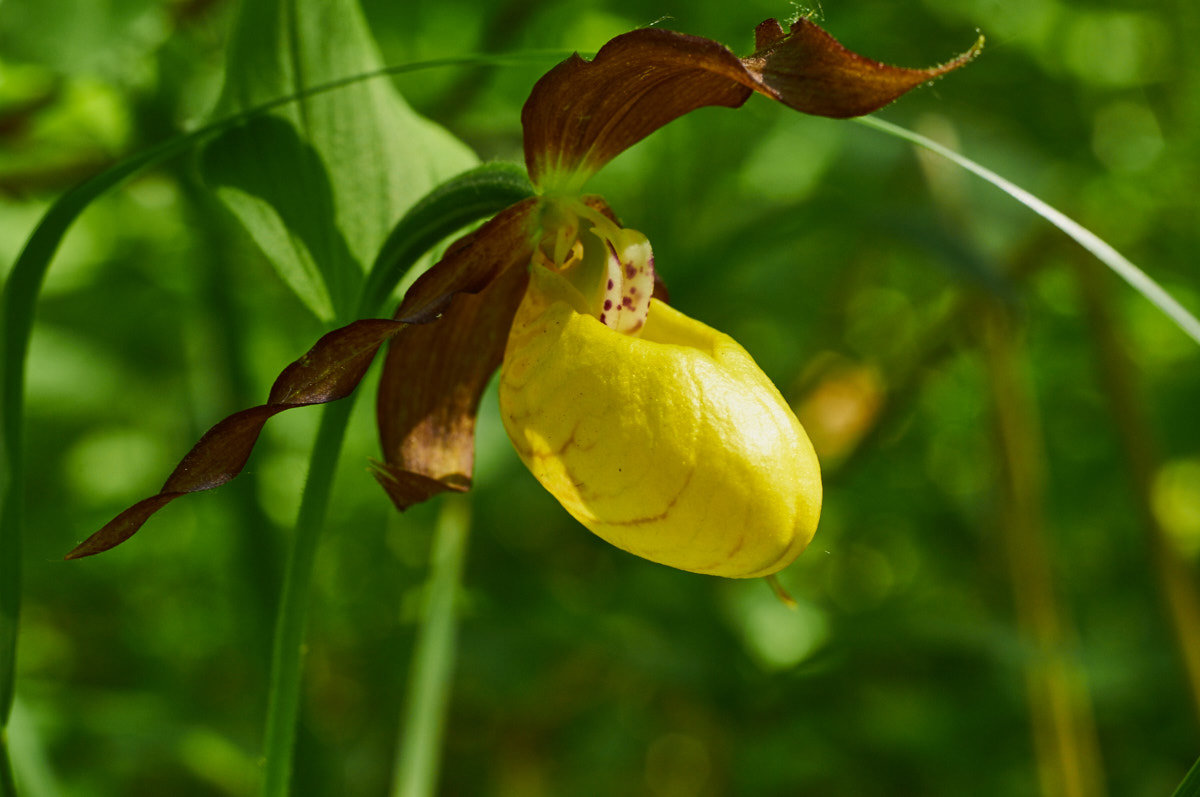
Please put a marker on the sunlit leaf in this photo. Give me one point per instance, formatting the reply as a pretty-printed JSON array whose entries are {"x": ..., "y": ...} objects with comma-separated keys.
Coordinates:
[
  {"x": 320, "y": 200},
  {"x": 286, "y": 204}
]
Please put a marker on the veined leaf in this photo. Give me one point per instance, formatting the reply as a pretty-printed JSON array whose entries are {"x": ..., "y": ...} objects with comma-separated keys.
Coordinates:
[{"x": 320, "y": 198}]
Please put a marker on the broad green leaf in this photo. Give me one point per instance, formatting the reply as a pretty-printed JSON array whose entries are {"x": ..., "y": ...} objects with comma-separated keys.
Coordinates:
[
  {"x": 320, "y": 200},
  {"x": 286, "y": 203}
]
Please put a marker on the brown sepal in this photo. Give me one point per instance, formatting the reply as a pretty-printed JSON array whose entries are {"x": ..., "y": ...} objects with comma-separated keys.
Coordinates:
[
  {"x": 331, "y": 370},
  {"x": 582, "y": 114},
  {"x": 810, "y": 71}
]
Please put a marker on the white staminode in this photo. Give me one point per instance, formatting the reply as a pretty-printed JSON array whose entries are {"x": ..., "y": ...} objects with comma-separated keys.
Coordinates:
[
  {"x": 620, "y": 263},
  {"x": 629, "y": 283}
]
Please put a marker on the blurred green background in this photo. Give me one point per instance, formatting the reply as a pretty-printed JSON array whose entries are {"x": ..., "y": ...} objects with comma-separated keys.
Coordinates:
[{"x": 1000, "y": 599}]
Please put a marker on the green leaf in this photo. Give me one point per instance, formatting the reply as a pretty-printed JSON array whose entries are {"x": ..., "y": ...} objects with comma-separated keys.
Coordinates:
[
  {"x": 319, "y": 200},
  {"x": 286, "y": 204}
]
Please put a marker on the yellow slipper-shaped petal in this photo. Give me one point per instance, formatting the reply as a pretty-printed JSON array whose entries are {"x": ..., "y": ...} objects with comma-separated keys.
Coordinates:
[{"x": 672, "y": 445}]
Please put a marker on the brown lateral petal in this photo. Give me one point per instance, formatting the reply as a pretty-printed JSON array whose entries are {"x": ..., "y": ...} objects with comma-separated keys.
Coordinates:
[
  {"x": 808, "y": 70},
  {"x": 406, "y": 488},
  {"x": 335, "y": 366},
  {"x": 582, "y": 114},
  {"x": 222, "y": 452},
  {"x": 329, "y": 371},
  {"x": 123, "y": 526},
  {"x": 472, "y": 262},
  {"x": 332, "y": 369},
  {"x": 433, "y": 379}
]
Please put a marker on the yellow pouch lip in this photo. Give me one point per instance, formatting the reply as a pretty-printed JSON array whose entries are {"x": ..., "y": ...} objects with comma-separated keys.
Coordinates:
[{"x": 639, "y": 439}]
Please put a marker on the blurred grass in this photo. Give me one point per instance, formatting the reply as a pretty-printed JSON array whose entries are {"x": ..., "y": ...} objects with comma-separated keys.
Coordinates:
[{"x": 582, "y": 670}]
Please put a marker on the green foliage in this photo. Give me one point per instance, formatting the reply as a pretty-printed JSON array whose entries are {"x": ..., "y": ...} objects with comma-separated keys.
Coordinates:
[
  {"x": 358, "y": 157},
  {"x": 858, "y": 275}
]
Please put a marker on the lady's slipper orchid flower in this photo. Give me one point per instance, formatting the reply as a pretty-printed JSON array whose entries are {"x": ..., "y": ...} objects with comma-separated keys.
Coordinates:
[{"x": 659, "y": 434}]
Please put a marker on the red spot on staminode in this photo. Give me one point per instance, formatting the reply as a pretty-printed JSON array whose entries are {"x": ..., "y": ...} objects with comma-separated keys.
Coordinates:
[{"x": 607, "y": 305}]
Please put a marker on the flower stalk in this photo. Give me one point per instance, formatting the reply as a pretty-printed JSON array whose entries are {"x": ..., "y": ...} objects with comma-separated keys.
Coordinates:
[
  {"x": 287, "y": 652},
  {"x": 446, "y": 209}
]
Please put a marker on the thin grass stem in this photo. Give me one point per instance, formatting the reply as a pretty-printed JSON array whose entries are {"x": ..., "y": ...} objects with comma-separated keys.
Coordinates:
[
  {"x": 419, "y": 750},
  {"x": 1066, "y": 745},
  {"x": 1190, "y": 787},
  {"x": 1176, "y": 577},
  {"x": 1137, "y": 279}
]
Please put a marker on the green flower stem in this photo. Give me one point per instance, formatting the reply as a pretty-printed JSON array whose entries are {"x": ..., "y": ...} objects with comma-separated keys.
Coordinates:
[
  {"x": 475, "y": 194},
  {"x": 287, "y": 655},
  {"x": 417, "y": 755}
]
